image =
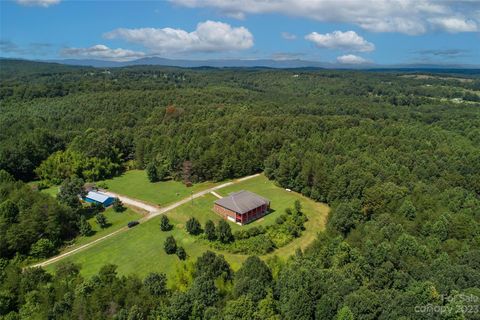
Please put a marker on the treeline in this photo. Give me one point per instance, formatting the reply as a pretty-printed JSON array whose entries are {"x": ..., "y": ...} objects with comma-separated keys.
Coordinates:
[
  {"x": 200, "y": 116},
  {"x": 331, "y": 280},
  {"x": 32, "y": 224}
]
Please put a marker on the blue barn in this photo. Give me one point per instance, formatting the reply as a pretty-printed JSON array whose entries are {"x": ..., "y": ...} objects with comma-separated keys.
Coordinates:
[{"x": 98, "y": 197}]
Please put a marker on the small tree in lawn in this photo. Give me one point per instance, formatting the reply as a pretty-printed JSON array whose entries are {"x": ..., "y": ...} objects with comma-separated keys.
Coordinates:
[
  {"x": 193, "y": 226},
  {"x": 101, "y": 220},
  {"x": 224, "y": 232},
  {"x": 84, "y": 227},
  {"x": 96, "y": 207},
  {"x": 210, "y": 231},
  {"x": 181, "y": 254},
  {"x": 165, "y": 223},
  {"x": 118, "y": 205},
  {"x": 170, "y": 245},
  {"x": 152, "y": 173}
]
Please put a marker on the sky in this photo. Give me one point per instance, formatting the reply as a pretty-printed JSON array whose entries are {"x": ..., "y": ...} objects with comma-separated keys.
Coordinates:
[{"x": 350, "y": 32}]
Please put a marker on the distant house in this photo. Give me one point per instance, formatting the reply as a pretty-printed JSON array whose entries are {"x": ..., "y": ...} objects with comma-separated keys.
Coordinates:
[
  {"x": 242, "y": 207},
  {"x": 98, "y": 197}
]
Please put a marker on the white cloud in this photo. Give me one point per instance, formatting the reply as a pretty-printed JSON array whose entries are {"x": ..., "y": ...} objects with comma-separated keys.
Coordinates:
[
  {"x": 39, "y": 3},
  {"x": 455, "y": 24},
  {"x": 351, "y": 59},
  {"x": 288, "y": 36},
  {"x": 348, "y": 40},
  {"x": 209, "y": 36},
  {"x": 404, "y": 16},
  {"x": 101, "y": 51}
]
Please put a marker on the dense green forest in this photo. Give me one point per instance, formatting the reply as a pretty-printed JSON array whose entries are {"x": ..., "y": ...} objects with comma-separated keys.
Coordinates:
[{"x": 396, "y": 155}]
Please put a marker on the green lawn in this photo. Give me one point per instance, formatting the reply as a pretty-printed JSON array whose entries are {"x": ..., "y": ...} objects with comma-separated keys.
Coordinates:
[
  {"x": 53, "y": 190},
  {"x": 116, "y": 220},
  {"x": 135, "y": 184},
  {"x": 140, "y": 249}
]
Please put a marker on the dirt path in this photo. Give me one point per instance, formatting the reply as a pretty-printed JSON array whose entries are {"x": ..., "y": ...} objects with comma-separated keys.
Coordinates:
[
  {"x": 133, "y": 202},
  {"x": 153, "y": 211},
  {"x": 216, "y": 195}
]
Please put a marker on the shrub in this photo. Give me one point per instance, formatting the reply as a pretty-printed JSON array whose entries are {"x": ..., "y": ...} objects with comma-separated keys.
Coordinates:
[
  {"x": 152, "y": 173},
  {"x": 84, "y": 227},
  {"x": 297, "y": 207},
  {"x": 254, "y": 231},
  {"x": 260, "y": 244},
  {"x": 96, "y": 208},
  {"x": 181, "y": 254},
  {"x": 165, "y": 223},
  {"x": 224, "y": 232},
  {"x": 118, "y": 205},
  {"x": 43, "y": 248},
  {"x": 42, "y": 185},
  {"x": 170, "y": 245},
  {"x": 156, "y": 284},
  {"x": 241, "y": 234},
  {"x": 210, "y": 231},
  {"x": 102, "y": 185},
  {"x": 193, "y": 226},
  {"x": 101, "y": 220}
]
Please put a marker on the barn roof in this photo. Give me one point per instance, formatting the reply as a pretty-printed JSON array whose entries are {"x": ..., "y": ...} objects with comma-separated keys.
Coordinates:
[
  {"x": 97, "y": 196},
  {"x": 242, "y": 201}
]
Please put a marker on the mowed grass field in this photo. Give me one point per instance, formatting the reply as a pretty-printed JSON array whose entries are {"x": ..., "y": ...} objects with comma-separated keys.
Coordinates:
[
  {"x": 116, "y": 220},
  {"x": 135, "y": 184},
  {"x": 140, "y": 250}
]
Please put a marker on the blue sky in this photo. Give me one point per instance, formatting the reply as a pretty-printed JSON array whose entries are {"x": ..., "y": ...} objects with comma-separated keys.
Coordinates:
[{"x": 341, "y": 31}]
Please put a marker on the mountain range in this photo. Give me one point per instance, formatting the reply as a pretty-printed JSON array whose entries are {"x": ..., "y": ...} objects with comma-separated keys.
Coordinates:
[{"x": 266, "y": 63}]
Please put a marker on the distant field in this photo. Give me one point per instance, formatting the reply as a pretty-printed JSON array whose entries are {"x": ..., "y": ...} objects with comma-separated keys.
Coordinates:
[
  {"x": 135, "y": 184},
  {"x": 140, "y": 249}
]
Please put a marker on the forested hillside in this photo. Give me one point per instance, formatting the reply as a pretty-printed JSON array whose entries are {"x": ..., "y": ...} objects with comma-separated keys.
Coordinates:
[{"x": 396, "y": 156}]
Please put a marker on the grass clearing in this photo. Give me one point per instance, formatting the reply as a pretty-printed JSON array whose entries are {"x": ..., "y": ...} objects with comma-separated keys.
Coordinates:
[
  {"x": 140, "y": 249},
  {"x": 116, "y": 220},
  {"x": 53, "y": 191},
  {"x": 135, "y": 184}
]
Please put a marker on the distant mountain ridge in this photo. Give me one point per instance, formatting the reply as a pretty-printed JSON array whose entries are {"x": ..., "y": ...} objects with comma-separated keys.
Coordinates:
[
  {"x": 216, "y": 63},
  {"x": 11, "y": 66},
  {"x": 266, "y": 63}
]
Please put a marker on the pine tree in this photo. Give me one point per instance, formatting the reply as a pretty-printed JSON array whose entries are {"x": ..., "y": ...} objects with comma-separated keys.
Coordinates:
[
  {"x": 224, "y": 232},
  {"x": 152, "y": 172},
  {"x": 181, "y": 254},
  {"x": 84, "y": 227},
  {"x": 165, "y": 223},
  {"x": 193, "y": 226},
  {"x": 101, "y": 220},
  {"x": 170, "y": 245},
  {"x": 210, "y": 231}
]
